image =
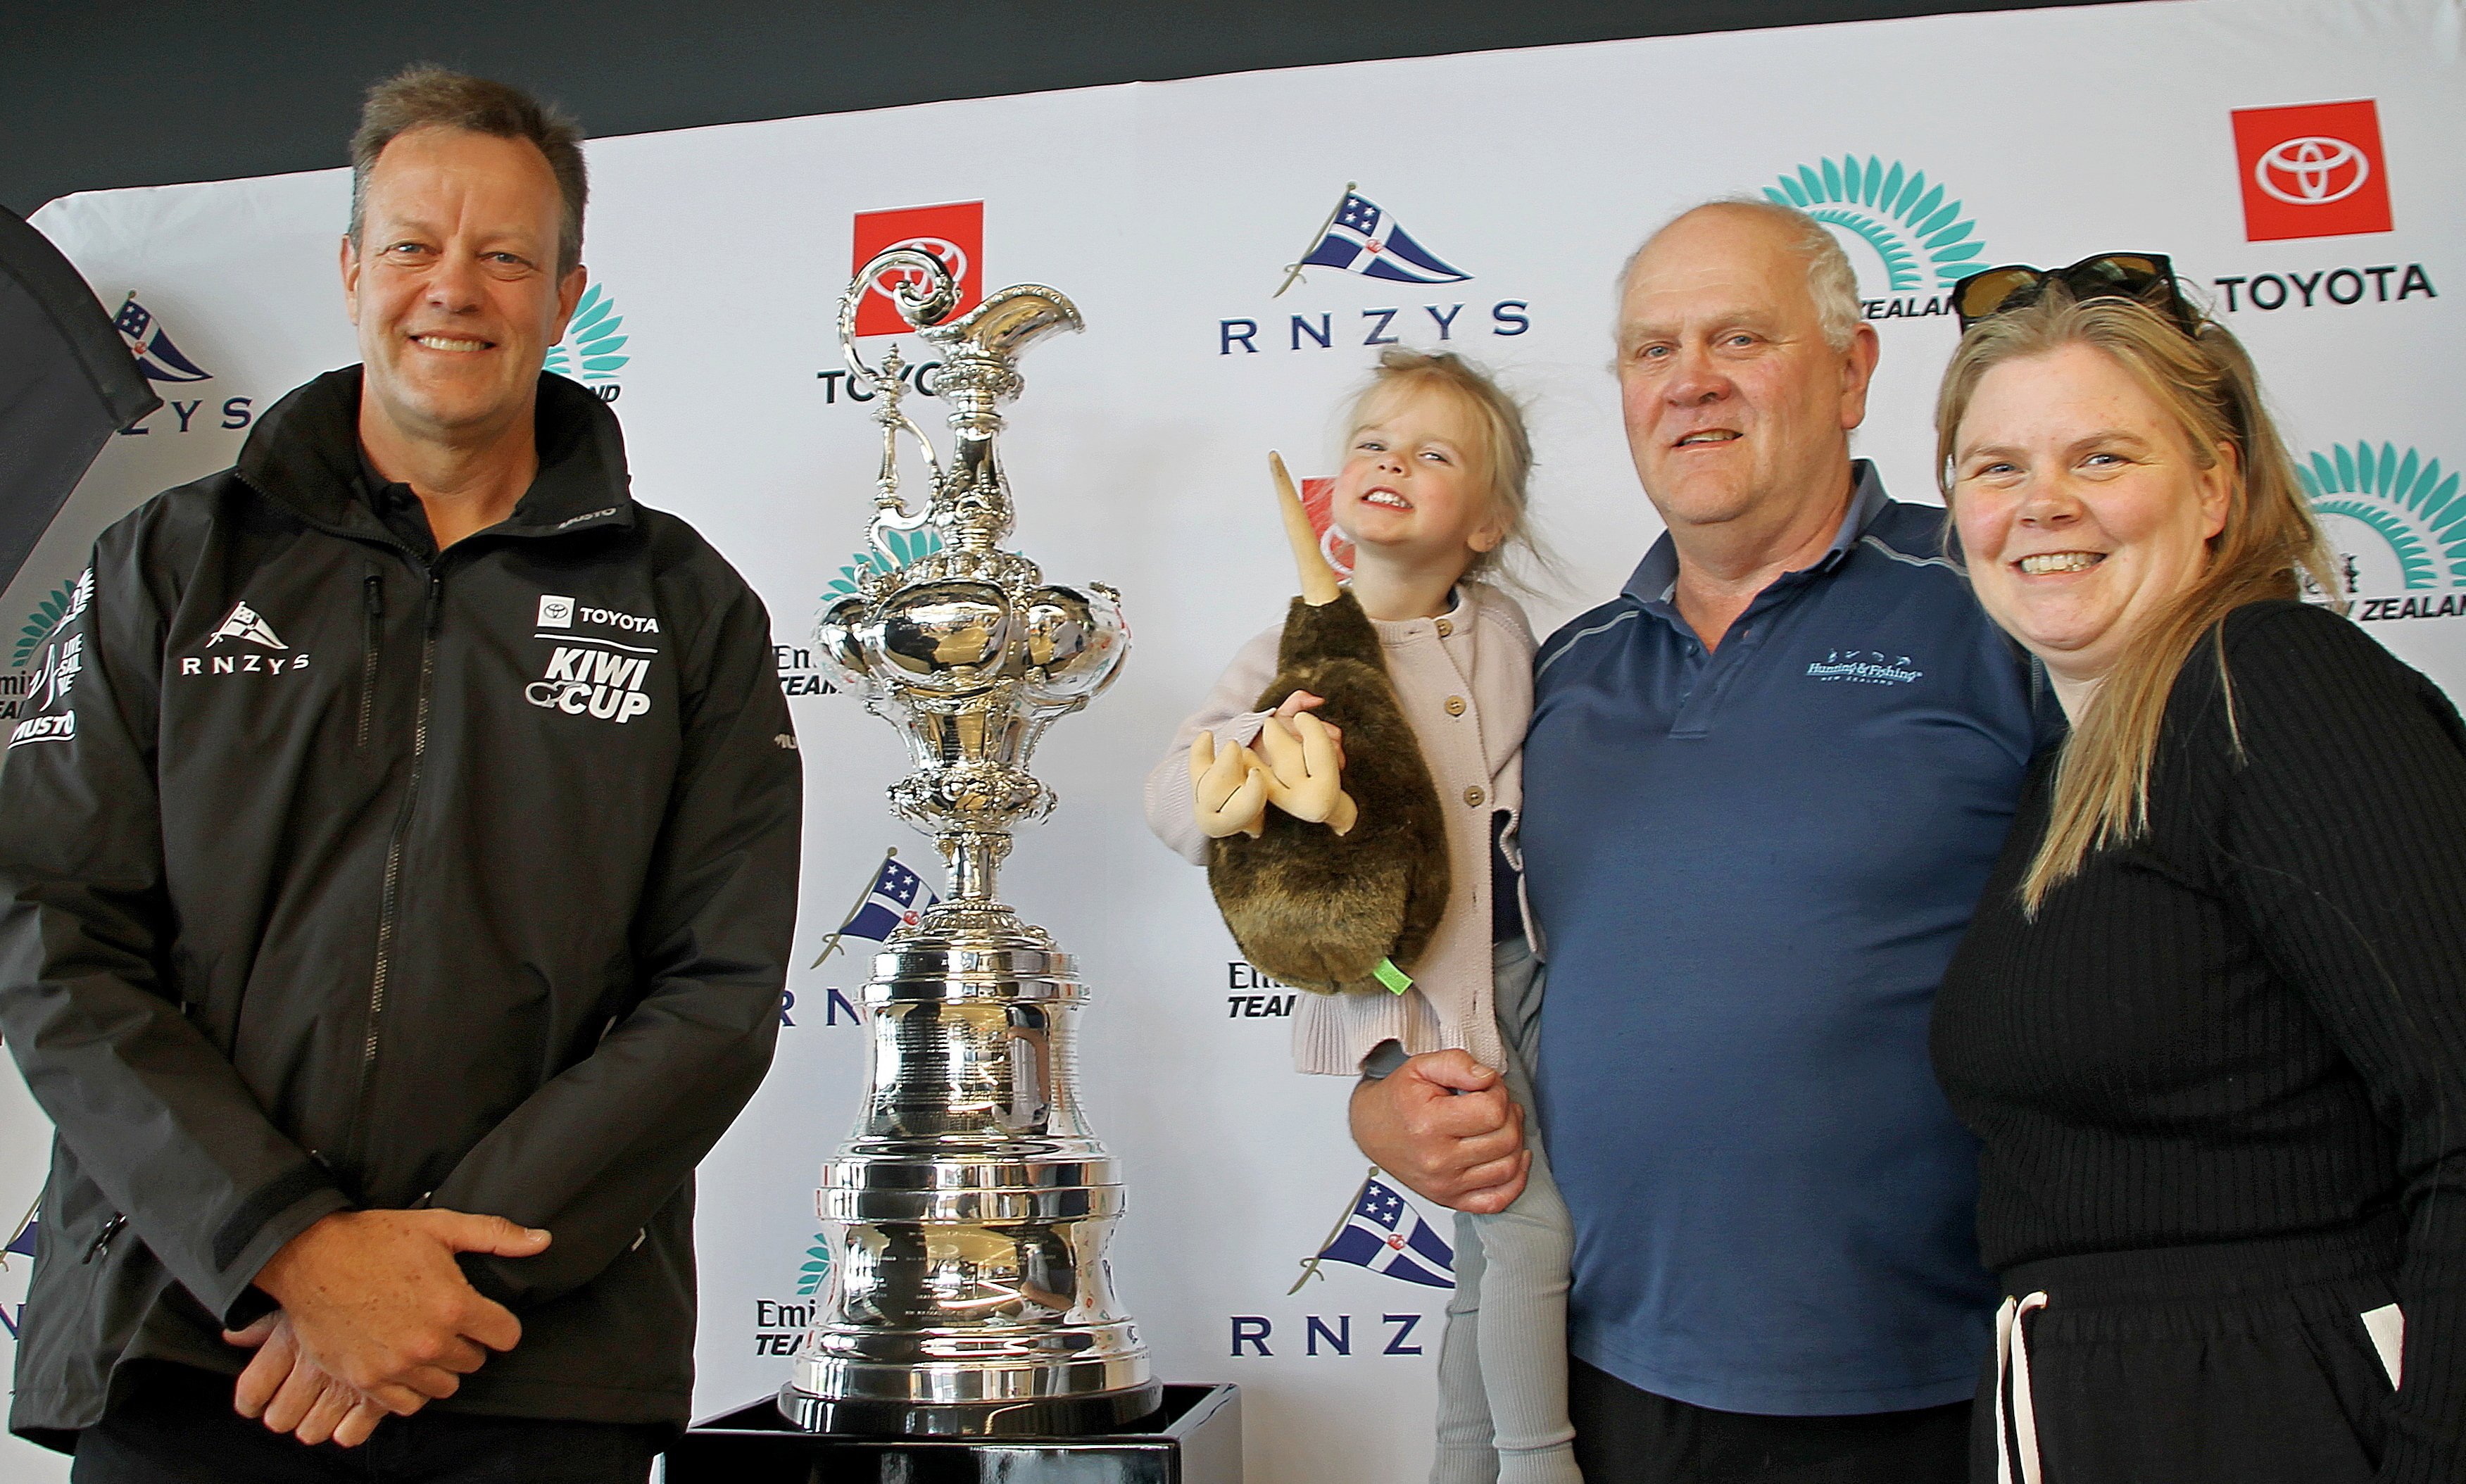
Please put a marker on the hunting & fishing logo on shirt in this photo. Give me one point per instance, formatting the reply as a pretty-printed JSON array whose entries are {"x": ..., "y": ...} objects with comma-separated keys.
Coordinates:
[{"x": 1865, "y": 667}]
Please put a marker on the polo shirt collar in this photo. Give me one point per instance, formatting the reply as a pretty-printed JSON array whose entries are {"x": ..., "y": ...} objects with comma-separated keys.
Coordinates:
[{"x": 1657, "y": 574}]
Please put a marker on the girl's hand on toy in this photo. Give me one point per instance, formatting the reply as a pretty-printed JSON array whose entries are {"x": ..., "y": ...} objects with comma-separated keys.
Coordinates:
[
  {"x": 1228, "y": 790},
  {"x": 1301, "y": 701},
  {"x": 1305, "y": 772}
]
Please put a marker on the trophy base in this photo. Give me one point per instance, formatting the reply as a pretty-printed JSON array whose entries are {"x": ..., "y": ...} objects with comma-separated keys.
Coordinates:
[
  {"x": 1045, "y": 1417},
  {"x": 1193, "y": 1437}
]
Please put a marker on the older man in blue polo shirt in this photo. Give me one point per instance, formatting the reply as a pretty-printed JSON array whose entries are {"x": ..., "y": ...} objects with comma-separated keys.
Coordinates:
[{"x": 1763, "y": 787}]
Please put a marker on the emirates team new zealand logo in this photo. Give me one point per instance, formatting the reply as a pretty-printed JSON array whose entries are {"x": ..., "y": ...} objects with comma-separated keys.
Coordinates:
[
  {"x": 40, "y": 623},
  {"x": 2398, "y": 525},
  {"x": 1922, "y": 242},
  {"x": 906, "y": 546},
  {"x": 593, "y": 350}
]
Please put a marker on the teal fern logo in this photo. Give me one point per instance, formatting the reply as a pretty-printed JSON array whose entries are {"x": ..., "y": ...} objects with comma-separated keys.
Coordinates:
[
  {"x": 2405, "y": 499},
  {"x": 816, "y": 1267},
  {"x": 908, "y": 546},
  {"x": 1923, "y": 240},
  {"x": 590, "y": 351},
  {"x": 40, "y": 623}
]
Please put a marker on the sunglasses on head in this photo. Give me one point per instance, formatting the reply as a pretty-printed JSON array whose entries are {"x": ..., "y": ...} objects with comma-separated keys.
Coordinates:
[{"x": 2145, "y": 277}]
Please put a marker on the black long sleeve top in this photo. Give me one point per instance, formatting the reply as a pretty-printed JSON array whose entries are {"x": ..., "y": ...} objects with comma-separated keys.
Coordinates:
[{"x": 2251, "y": 1021}]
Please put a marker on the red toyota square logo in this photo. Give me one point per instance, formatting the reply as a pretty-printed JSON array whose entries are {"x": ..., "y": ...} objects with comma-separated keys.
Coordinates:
[
  {"x": 1318, "y": 500},
  {"x": 2312, "y": 170},
  {"x": 953, "y": 234}
]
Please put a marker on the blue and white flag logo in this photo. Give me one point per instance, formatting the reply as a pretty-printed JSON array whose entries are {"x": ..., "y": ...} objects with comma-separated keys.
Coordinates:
[
  {"x": 21, "y": 1242},
  {"x": 1361, "y": 237},
  {"x": 888, "y": 904},
  {"x": 156, "y": 357},
  {"x": 1385, "y": 1234}
]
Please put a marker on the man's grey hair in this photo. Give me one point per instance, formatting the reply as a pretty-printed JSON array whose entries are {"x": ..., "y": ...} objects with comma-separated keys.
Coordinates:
[
  {"x": 1830, "y": 279},
  {"x": 424, "y": 97}
]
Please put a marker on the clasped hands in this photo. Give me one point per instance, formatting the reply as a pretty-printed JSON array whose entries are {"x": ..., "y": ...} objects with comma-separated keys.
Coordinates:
[
  {"x": 1297, "y": 766},
  {"x": 376, "y": 1318}
]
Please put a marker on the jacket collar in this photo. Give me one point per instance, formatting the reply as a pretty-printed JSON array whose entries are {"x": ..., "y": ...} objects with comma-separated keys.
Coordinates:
[
  {"x": 1658, "y": 573},
  {"x": 304, "y": 455}
]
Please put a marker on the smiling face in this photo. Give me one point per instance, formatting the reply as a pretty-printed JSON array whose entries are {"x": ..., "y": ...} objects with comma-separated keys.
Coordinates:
[
  {"x": 1414, "y": 487},
  {"x": 1734, "y": 401},
  {"x": 454, "y": 285},
  {"x": 2081, "y": 507}
]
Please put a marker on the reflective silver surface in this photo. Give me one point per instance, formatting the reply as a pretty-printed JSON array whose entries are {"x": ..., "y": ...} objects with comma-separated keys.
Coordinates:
[{"x": 969, "y": 1211}]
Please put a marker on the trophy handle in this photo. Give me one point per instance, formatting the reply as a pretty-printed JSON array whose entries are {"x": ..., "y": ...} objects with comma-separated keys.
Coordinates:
[{"x": 918, "y": 306}]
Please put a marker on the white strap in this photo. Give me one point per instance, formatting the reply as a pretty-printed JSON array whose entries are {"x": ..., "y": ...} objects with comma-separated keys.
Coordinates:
[{"x": 2013, "y": 1351}]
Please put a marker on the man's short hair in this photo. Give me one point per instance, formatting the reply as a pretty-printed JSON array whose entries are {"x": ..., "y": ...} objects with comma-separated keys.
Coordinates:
[
  {"x": 424, "y": 97},
  {"x": 1830, "y": 279}
]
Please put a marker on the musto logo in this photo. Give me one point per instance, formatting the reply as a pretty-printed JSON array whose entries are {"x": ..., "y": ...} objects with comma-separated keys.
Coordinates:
[
  {"x": 2313, "y": 170},
  {"x": 2398, "y": 526},
  {"x": 602, "y": 682},
  {"x": 591, "y": 350},
  {"x": 1907, "y": 243}
]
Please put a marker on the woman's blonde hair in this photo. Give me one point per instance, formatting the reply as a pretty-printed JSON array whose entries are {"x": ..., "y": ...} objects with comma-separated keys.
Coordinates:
[
  {"x": 1505, "y": 457},
  {"x": 2206, "y": 383}
]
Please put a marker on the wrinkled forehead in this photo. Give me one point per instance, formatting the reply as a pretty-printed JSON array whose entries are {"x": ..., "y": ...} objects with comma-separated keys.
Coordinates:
[
  {"x": 1714, "y": 270},
  {"x": 440, "y": 170}
]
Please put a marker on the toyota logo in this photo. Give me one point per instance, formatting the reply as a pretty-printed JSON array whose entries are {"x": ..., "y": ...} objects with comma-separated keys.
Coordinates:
[
  {"x": 942, "y": 251},
  {"x": 2313, "y": 170}
]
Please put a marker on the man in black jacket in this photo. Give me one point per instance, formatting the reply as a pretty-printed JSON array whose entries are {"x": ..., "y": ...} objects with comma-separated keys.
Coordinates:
[{"x": 397, "y": 867}]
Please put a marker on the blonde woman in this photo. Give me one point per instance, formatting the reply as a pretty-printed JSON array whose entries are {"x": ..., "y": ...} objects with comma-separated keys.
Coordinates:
[{"x": 2210, "y": 1020}]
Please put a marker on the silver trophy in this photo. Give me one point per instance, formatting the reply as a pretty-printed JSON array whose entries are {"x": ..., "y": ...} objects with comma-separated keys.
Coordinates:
[{"x": 969, "y": 1211}]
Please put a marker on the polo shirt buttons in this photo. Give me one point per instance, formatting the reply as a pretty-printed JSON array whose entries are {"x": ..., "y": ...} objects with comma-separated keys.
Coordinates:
[
  {"x": 1445, "y": 628},
  {"x": 1473, "y": 796},
  {"x": 1455, "y": 706}
]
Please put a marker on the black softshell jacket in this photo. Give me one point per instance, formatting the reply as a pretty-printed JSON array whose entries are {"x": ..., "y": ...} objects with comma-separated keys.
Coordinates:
[{"x": 331, "y": 876}]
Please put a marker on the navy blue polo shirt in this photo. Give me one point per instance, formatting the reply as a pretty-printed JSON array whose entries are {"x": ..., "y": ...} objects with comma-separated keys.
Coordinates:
[{"x": 1750, "y": 868}]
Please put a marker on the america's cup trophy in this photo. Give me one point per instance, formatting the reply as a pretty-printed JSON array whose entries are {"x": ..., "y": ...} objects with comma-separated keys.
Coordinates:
[{"x": 969, "y": 1211}]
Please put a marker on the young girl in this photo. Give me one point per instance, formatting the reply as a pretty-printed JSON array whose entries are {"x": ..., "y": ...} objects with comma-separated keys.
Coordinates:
[{"x": 1432, "y": 490}]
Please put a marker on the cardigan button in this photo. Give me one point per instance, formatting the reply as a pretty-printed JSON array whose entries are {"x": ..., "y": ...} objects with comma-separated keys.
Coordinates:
[
  {"x": 1445, "y": 628},
  {"x": 1455, "y": 706},
  {"x": 1473, "y": 796}
]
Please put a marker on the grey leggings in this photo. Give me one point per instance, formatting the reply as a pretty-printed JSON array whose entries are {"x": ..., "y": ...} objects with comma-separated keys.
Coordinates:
[{"x": 1502, "y": 1364}]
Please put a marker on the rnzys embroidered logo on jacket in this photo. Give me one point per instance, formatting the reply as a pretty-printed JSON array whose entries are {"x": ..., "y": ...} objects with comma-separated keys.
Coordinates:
[{"x": 241, "y": 628}]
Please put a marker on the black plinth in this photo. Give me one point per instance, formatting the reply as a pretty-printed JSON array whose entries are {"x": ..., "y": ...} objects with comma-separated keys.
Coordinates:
[{"x": 1196, "y": 1438}]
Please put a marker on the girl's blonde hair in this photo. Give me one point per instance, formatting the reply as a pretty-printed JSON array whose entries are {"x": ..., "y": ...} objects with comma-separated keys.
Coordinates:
[
  {"x": 1505, "y": 456},
  {"x": 2206, "y": 384}
]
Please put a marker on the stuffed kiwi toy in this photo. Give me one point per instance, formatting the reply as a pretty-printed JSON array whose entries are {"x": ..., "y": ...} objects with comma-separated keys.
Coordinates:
[{"x": 1314, "y": 908}]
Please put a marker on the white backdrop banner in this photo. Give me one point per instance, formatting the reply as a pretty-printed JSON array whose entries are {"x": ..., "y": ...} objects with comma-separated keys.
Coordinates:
[{"x": 2298, "y": 161}]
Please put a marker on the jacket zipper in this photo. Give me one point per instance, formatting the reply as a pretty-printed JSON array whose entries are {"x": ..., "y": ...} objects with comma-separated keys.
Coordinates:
[
  {"x": 390, "y": 899},
  {"x": 375, "y": 607},
  {"x": 102, "y": 1245}
]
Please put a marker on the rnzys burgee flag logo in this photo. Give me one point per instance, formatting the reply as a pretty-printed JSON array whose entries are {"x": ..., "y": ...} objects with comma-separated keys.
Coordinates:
[
  {"x": 1916, "y": 229},
  {"x": 590, "y": 351},
  {"x": 151, "y": 345},
  {"x": 2397, "y": 520}
]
